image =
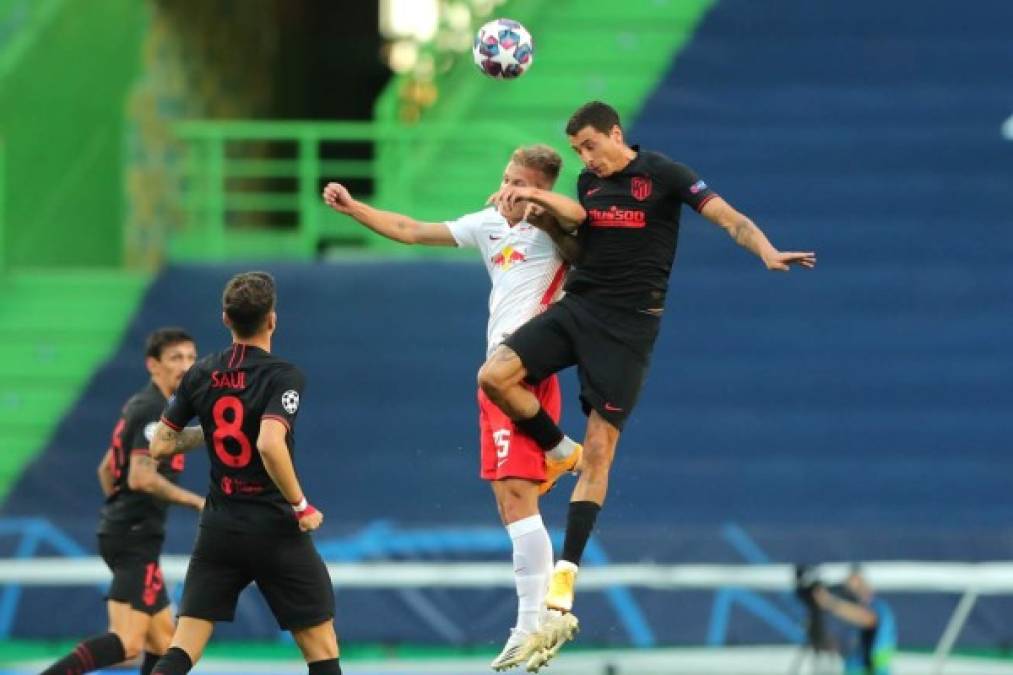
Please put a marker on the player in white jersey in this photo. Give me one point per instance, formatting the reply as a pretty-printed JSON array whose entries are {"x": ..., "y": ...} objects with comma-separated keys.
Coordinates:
[{"x": 525, "y": 253}]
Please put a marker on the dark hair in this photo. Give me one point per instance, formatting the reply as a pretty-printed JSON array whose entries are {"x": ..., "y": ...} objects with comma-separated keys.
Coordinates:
[
  {"x": 164, "y": 338},
  {"x": 540, "y": 158},
  {"x": 597, "y": 115},
  {"x": 247, "y": 300}
]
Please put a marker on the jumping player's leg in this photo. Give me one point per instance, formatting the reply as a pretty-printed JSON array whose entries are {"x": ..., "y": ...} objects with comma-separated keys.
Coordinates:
[
  {"x": 611, "y": 376},
  {"x": 188, "y": 643},
  {"x": 517, "y": 500},
  {"x": 319, "y": 647},
  {"x": 592, "y": 486},
  {"x": 158, "y": 639},
  {"x": 502, "y": 377},
  {"x": 515, "y": 467},
  {"x": 540, "y": 348}
]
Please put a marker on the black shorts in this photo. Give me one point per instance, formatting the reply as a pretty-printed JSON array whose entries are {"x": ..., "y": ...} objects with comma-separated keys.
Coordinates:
[
  {"x": 137, "y": 577},
  {"x": 287, "y": 569},
  {"x": 611, "y": 349}
]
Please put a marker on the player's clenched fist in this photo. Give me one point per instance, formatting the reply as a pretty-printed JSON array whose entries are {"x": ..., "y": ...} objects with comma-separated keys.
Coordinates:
[
  {"x": 309, "y": 516},
  {"x": 311, "y": 522},
  {"x": 338, "y": 198}
]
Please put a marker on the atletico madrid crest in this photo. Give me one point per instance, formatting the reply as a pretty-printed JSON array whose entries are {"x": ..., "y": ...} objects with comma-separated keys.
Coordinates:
[{"x": 640, "y": 186}]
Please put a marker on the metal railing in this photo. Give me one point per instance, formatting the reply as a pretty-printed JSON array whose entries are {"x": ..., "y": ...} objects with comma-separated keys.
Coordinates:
[{"x": 252, "y": 188}]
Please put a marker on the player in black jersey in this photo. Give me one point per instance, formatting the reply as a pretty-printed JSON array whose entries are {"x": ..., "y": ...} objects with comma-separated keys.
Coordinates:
[
  {"x": 629, "y": 209},
  {"x": 138, "y": 491},
  {"x": 256, "y": 522}
]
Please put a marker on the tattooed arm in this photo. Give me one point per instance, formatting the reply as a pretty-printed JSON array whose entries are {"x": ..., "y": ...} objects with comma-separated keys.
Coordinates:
[
  {"x": 143, "y": 476},
  {"x": 388, "y": 224},
  {"x": 167, "y": 441},
  {"x": 566, "y": 243},
  {"x": 747, "y": 235}
]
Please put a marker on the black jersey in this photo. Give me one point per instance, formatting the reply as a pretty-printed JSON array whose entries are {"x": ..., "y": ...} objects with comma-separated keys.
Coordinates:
[
  {"x": 628, "y": 242},
  {"x": 230, "y": 393},
  {"x": 127, "y": 511}
]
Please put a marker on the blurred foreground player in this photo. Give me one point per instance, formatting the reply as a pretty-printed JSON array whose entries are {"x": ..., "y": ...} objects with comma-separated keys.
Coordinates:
[
  {"x": 256, "y": 523},
  {"x": 138, "y": 491}
]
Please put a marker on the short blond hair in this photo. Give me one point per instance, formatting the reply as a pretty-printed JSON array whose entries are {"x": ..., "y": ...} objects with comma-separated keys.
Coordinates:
[{"x": 539, "y": 157}]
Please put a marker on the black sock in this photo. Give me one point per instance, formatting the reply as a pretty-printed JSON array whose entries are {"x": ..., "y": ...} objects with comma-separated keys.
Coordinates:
[
  {"x": 542, "y": 429},
  {"x": 328, "y": 667},
  {"x": 579, "y": 524},
  {"x": 175, "y": 662},
  {"x": 149, "y": 662},
  {"x": 92, "y": 654}
]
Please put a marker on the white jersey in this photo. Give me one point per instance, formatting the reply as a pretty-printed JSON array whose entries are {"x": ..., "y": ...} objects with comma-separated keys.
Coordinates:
[{"x": 524, "y": 265}]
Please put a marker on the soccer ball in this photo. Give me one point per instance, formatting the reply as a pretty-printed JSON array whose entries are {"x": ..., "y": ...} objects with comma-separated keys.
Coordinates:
[{"x": 503, "y": 49}]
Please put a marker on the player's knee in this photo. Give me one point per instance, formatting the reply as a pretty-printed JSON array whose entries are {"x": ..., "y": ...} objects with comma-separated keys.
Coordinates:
[
  {"x": 598, "y": 455},
  {"x": 158, "y": 642},
  {"x": 318, "y": 642},
  {"x": 516, "y": 500},
  {"x": 133, "y": 643},
  {"x": 491, "y": 380}
]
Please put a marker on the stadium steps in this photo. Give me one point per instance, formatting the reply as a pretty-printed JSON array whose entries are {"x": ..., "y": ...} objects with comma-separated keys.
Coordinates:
[{"x": 55, "y": 329}]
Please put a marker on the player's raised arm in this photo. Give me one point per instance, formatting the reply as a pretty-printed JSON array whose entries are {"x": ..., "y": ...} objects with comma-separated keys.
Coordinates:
[
  {"x": 388, "y": 224},
  {"x": 746, "y": 234},
  {"x": 565, "y": 242},
  {"x": 567, "y": 212}
]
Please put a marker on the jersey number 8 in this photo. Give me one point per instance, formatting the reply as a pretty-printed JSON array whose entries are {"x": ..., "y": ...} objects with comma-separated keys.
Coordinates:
[{"x": 233, "y": 429}]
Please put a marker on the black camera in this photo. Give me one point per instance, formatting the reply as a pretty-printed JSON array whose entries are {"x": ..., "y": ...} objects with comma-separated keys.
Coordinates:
[{"x": 806, "y": 582}]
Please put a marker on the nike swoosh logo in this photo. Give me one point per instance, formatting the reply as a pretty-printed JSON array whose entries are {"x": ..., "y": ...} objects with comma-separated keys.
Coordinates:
[
  {"x": 500, "y": 463},
  {"x": 612, "y": 408},
  {"x": 592, "y": 191}
]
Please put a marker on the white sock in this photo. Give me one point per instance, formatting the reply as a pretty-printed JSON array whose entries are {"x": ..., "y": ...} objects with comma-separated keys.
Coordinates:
[
  {"x": 563, "y": 450},
  {"x": 532, "y": 566}
]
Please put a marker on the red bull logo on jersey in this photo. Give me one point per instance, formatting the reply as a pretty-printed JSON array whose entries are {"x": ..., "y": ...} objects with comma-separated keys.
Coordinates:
[
  {"x": 508, "y": 257},
  {"x": 617, "y": 217}
]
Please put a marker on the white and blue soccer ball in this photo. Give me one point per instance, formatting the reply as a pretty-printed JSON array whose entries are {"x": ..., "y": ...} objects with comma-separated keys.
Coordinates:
[{"x": 503, "y": 49}]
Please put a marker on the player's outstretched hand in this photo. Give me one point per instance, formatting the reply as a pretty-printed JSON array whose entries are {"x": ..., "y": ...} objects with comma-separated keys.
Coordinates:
[
  {"x": 536, "y": 215},
  {"x": 509, "y": 195},
  {"x": 782, "y": 262},
  {"x": 338, "y": 198}
]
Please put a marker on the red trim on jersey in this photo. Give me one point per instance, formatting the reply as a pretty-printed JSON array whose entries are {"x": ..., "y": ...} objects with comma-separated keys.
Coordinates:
[
  {"x": 85, "y": 656},
  {"x": 557, "y": 281},
  {"x": 140, "y": 451},
  {"x": 699, "y": 207},
  {"x": 242, "y": 356},
  {"x": 232, "y": 357},
  {"x": 170, "y": 424},
  {"x": 278, "y": 418}
]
